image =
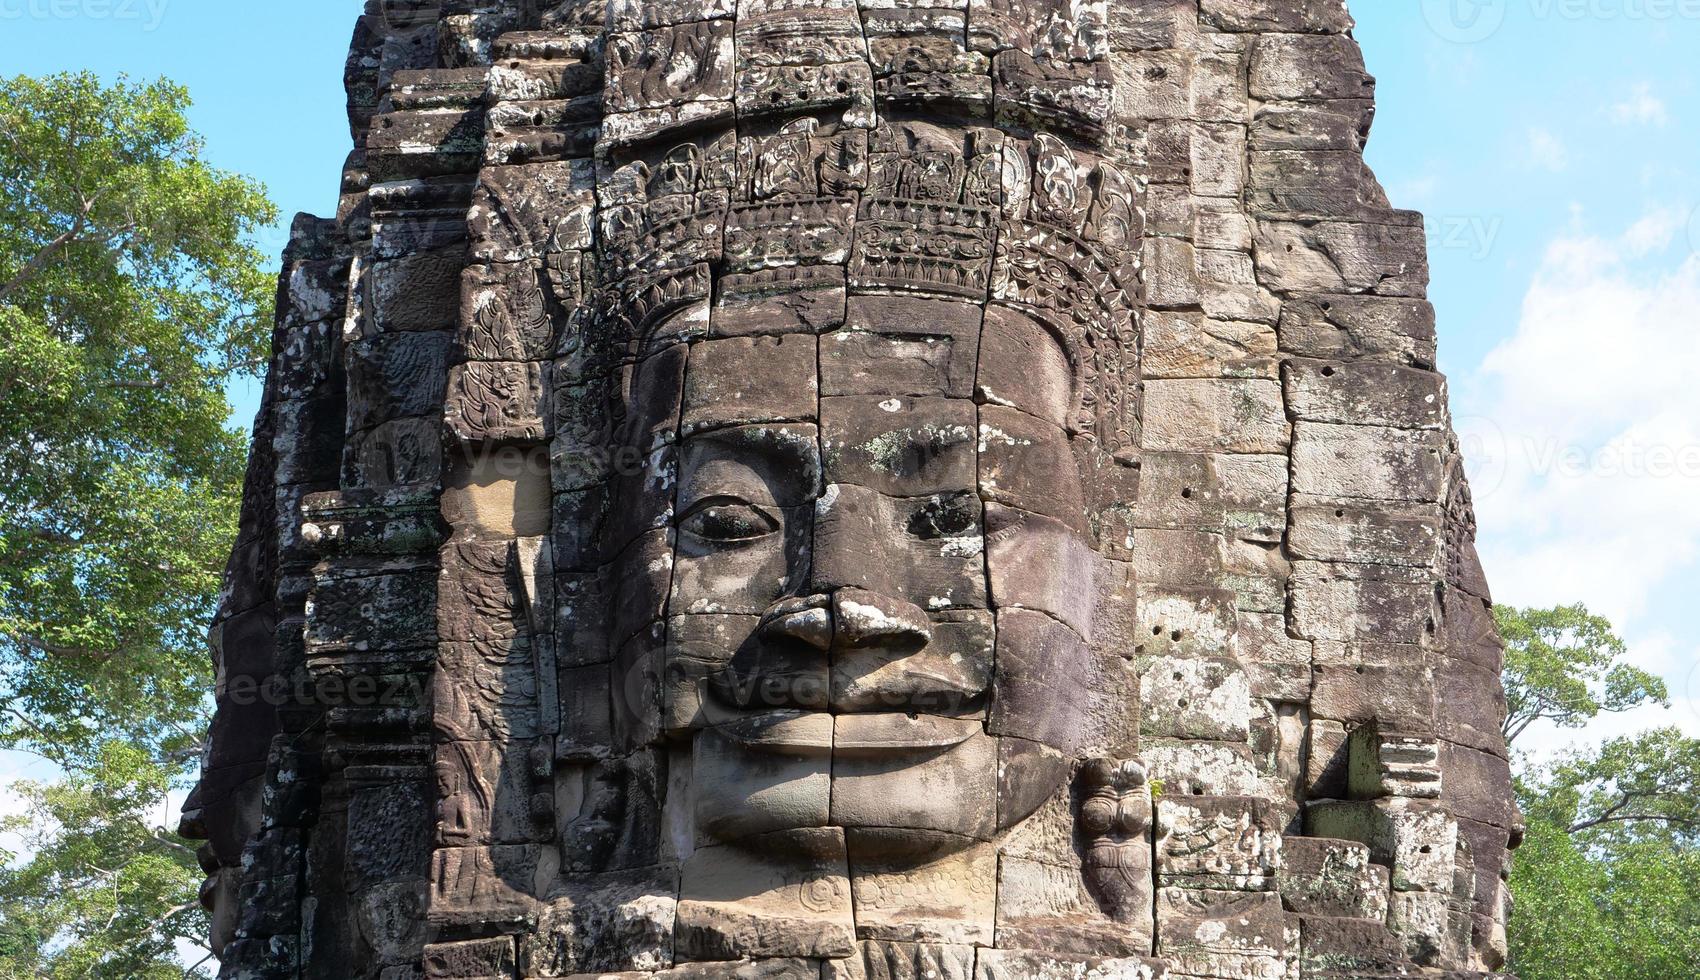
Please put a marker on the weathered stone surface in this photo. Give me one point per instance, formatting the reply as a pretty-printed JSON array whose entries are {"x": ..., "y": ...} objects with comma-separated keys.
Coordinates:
[
  {"x": 791, "y": 896},
  {"x": 1325, "y": 877},
  {"x": 874, "y": 491}
]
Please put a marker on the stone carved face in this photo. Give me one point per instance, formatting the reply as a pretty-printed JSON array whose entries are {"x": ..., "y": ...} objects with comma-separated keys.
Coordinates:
[
  {"x": 879, "y": 589},
  {"x": 868, "y": 380}
]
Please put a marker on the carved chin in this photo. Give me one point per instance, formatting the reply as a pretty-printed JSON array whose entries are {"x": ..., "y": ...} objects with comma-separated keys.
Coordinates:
[
  {"x": 219, "y": 898},
  {"x": 909, "y": 795}
]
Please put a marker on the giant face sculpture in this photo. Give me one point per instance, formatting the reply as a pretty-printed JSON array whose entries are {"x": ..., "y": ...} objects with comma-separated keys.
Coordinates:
[
  {"x": 726, "y": 452},
  {"x": 875, "y": 396}
]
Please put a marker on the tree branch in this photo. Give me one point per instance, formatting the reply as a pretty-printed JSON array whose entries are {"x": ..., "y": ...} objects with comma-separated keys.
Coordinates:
[
  {"x": 55, "y": 649},
  {"x": 43, "y": 257}
]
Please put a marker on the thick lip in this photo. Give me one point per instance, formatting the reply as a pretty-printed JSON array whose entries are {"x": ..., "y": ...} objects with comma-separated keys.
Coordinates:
[{"x": 862, "y": 735}]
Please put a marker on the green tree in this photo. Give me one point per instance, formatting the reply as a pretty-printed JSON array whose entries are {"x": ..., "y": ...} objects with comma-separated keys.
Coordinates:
[
  {"x": 1565, "y": 665},
  {"x": 1607, "y": 881},
  {"x": 130, "y": 295}
]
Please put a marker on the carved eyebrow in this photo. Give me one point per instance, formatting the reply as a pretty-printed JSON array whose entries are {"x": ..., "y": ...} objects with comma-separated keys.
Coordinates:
[{"x": 782, "y": 472}]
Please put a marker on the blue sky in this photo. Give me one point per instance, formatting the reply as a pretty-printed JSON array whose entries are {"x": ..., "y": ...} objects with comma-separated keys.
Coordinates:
[{"x": 1552, "y": 143}]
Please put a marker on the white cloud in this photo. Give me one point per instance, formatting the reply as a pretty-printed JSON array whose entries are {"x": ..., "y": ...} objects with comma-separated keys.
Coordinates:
[
  {"x": 1546, "y": 151},
  {"x": 1642, "y": 107},
  {"x": 1586, "y": 425},
  {"x": 1654, "y": 231}
]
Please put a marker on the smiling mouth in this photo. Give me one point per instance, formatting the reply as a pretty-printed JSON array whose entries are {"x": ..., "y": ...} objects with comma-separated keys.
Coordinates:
[{"x": 809, "y": 733}]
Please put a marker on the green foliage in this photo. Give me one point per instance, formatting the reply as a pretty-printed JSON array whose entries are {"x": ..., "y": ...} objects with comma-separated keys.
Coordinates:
[
  {"x": 1607, "y": 882},
  {"x": 1638, "y": 788},
  {"x": 108, "y": 893},
  {"x": 130, "y": 295},
  {"x": 1613, "y": 900},
  {"x": 1563, "y": 665}
]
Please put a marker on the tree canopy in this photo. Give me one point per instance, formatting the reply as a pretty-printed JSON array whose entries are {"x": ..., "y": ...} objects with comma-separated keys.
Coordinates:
[
  {"x": 1607, "y": 882},
  {"x": 1565, "y": 665},
  {"x": 131, "y": 294}
]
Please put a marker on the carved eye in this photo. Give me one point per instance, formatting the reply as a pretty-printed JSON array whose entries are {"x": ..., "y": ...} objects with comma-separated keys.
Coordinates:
[
  {"x": 727, "y": 520},
  {"x": 946, "y": 517}
]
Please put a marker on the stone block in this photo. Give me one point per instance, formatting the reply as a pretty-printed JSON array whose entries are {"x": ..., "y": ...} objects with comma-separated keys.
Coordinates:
[
  {"x": 1478, "y": 785},
  {"x": 1219, "y": 160},
  {"x": 1335, "y": 125},
  {"x": 1036, "y": 562},
  {"x": 1152, "y": 84},
  {"x": 1185, "y": 623},
  {"x": 1335, "y": 947},
  {"x": 1400, "y": 698},
  {"x": 1218, "y": 84},
  {"x": 1372, "y": 533},
  {"x": 1386, "y": 256},
  {"x": 787, "y": 299},
  {"x": 1312, "y": 183},
  {"x": 604, "y": 923},
  {"x": 899, "y": 446},
  {"x": 947, "y": 787},
  {"x": 1192, "y": 559},
  {"x": 1029, "y": 465},
  {"x": 1023, "y": 366},
  {"x": 1195, "y": 768},
  {"x": 1041, "y": 687},
  {"x": 1237, "y": 933},
  {"x": 1471, "y": 705},
  {"x": 1383, "y": 330},
  {"x": 725, "y": 382},
  {"x": 949, "y": 900},
  {"x": 1197, "y": 698},
  {"x": 895, "y": 346},
  {"x": 761, "y": 774},
  {"x": 879, "y": 960},
  {"x": 475, "y": 958},
  {"x": 1300, "y": 68},
  {"x": 1008, "y": 964},
  {"x": 1417, "y": 839},
  {"x": 1365, "y": 394},
  {"x": 1373, "y": 462},
  {"x": 1277, "y": 16},
  {"x": 1231, "y": 843},
  {"x": 1215, "y": 416},
  {"x": 1351, "y": 602},
  {"x": 1191, "y": 345},
  {"x": 789, "y": 898},
  {"x": 1171, "y": 273},
  {"x": 1322, "y": 876}
]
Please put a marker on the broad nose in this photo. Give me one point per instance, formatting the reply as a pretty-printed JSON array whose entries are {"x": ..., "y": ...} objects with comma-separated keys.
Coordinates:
[
  {"x": 863, "y": 620},
  {"x": 848, "y": 619}
]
